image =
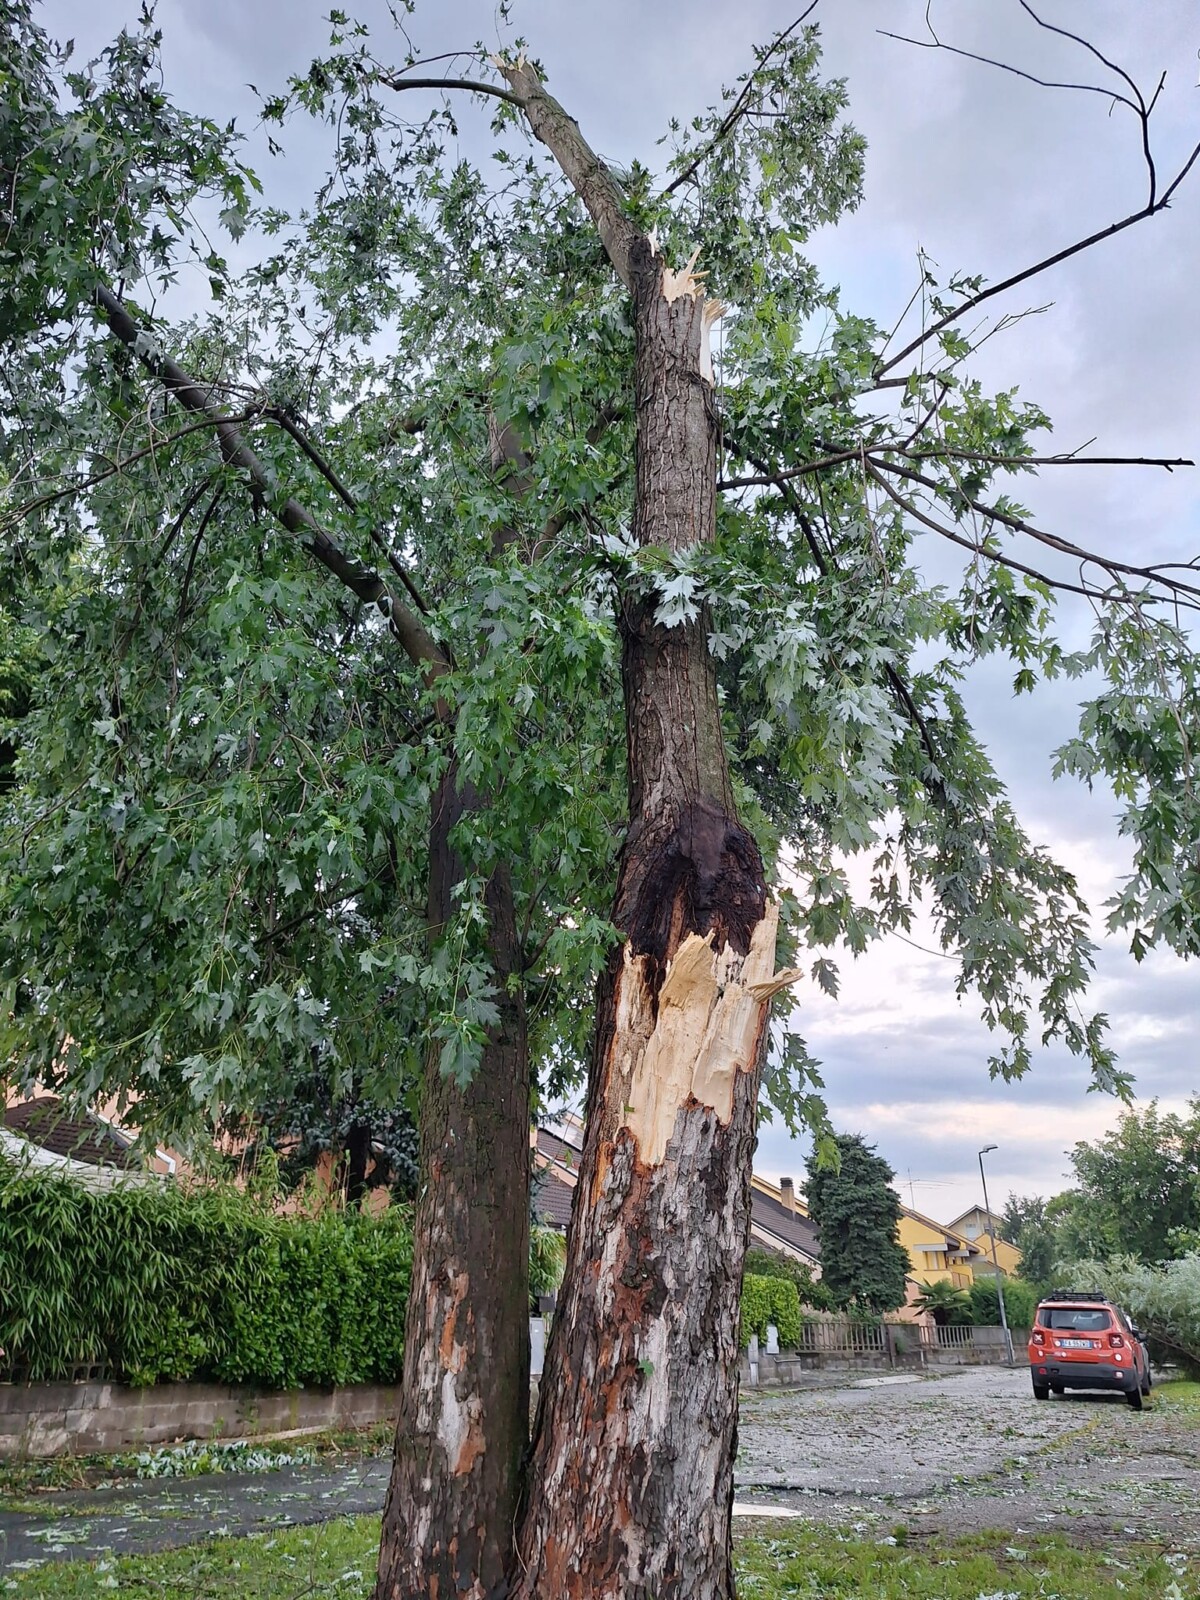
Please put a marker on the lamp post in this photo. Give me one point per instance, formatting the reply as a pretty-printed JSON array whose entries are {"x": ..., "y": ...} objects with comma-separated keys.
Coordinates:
[{"x": 1008, "y": 1344}]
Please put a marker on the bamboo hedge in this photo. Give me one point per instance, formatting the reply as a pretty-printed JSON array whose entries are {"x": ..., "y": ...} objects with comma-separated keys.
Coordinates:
[{"x": 162, "y": 1283}]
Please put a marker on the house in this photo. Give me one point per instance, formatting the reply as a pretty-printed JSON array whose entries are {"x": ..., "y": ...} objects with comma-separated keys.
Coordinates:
[
  {"x": 981, "y": 1228},
  {"x": 779, "y": 1222},
  {"x": 935, "y": 1252},
  {"x": 89, "y": 1139}
]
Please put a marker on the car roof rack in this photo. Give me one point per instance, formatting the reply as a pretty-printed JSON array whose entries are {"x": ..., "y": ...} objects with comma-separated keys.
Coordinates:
[{"x": 1074, "y": 1296}]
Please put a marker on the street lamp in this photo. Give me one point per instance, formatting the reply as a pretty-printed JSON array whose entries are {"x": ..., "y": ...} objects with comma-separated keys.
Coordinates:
[{"x": 995, "y": 1259}]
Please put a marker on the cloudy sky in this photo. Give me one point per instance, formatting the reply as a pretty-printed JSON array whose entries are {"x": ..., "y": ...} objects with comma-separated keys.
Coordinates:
[{"x": 987, "y": 173}]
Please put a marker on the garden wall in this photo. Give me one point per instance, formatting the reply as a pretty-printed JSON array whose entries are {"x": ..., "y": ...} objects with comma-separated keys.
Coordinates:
[{"x": 50, "y": 1419}]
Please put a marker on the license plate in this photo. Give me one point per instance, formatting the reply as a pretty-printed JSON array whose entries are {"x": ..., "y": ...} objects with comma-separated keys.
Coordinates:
[{"x": 1076, "y": 1344}]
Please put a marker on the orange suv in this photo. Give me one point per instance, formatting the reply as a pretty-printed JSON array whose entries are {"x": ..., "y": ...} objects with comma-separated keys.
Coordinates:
[{"x": 1084, "y": 1341}]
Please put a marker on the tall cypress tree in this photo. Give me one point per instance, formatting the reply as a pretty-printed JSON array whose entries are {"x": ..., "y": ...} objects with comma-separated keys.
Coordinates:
[{"x": 858, "y": 1212}]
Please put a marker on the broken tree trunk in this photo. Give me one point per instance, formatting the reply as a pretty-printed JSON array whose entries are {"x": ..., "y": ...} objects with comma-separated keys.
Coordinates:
[
  {"x": 632, "y": 1471},
  {"x": 464, "y": 1420}
]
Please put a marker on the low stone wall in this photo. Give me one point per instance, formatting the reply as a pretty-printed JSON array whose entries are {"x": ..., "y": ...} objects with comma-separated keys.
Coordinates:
[{"x": 51, "y": 1419}]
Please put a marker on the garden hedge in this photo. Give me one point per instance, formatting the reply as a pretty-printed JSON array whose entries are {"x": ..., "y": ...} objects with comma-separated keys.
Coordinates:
[
  {"x": 770, "y": 1300},
  {"x": 161, "y": 1282}
]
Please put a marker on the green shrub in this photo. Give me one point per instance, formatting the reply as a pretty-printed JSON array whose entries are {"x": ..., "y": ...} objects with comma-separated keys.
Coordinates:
[
  {"x": 1020, "y": 1302},
  {"x": 770, "y": 1300},
  {"x": 160, "y": 1283},
  {"x": 812, "y": 1292}
]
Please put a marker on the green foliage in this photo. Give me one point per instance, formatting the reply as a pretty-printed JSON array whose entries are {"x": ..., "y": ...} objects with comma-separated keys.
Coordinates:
[
  {"x": 770, "y": 1300},
  {"x": 1140, "y": 1184},
  {"x": 766, "y": 1264},
  {"x": 858, "y": 1214},
  {"x": 949, "y": 1307},
  {"x": 234, "y": 881},
  {"x": 162, "y": 1283},
  {"x": 1137, "y": 1195},
  {"x": 547, "y": 1259},
  {"x": 1162, "y": 1301},
  {"x": 1020, "y": 1302}
]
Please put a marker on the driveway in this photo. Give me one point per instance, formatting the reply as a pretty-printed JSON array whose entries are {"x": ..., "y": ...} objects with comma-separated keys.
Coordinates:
[{"x": 970, "y": 1450}]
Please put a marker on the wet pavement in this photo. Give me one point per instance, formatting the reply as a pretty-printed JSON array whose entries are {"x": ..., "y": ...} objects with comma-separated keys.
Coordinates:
[{"x": 969, "y": 1449}]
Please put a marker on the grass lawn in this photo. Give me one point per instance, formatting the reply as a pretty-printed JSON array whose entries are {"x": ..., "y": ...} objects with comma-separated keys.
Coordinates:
[{"x": 775, "y": 1561}]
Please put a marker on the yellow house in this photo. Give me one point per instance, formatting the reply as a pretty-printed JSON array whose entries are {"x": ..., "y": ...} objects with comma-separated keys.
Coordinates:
[
  {"x": 979, "y": 1226},
  {"x": 935, "y": 1252}
]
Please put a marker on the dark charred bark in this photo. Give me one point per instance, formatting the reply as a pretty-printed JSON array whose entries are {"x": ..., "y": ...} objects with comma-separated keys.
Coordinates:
[
  {"x": 452, "y": 1500},
  {"x": 632, "y": 1473},
  {"x": 358, "y": 1158}
]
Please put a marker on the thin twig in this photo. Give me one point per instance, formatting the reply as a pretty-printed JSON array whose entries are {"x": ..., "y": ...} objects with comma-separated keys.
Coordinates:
[
  {"x": 115, "y": 467},
  {"x": 1157, "y": 574},
  {"x": 1154, "y": 204},
  {"x": 739, "y": 104}
]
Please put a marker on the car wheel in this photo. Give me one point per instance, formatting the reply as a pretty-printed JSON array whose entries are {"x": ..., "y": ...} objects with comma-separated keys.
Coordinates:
[
  {"x": 1134, "y": 1396},
  {"x": 1057, "y": 1388},
  {"x": 1146, "y": 1381},
  {"x": 1041, "y": 1391}
]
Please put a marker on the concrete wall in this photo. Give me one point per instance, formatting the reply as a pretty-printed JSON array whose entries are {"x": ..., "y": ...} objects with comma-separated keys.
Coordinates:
[{"x": 49, "y": 1419}]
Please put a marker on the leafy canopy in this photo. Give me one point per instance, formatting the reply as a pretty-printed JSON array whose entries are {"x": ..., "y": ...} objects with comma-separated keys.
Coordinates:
[{"x": 214, "y": 865}]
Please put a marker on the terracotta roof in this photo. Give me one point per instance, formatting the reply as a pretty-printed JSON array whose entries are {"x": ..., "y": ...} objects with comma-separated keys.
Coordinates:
[{"x": 44, "y": 1121}]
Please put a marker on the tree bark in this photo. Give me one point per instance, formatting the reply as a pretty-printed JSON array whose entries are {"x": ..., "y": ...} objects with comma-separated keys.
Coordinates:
[
  {"x": 464, "y": 1421},
  {"x": 463, "y": 1427},
  {"x": 356, "y": 1160},
  {"x": 632, "y": 1472}
]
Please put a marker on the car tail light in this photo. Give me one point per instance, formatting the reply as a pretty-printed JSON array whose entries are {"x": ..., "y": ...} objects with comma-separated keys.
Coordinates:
[
  {"x": 1116, "y": 1342},
  {"x": 1038, "y": 1336}
]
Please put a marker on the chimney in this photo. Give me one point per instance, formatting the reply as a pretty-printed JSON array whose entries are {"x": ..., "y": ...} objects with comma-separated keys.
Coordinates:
[{"x": 788, "y": 1192}]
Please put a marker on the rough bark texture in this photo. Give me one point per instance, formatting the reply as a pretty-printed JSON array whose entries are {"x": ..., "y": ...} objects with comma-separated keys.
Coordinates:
[
  {"x": 632, "y": 1469},
  {"x": 452, "y": 1500}
]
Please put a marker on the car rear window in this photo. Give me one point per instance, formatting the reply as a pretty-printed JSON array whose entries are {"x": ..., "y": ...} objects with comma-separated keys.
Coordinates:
[{"x": 1074, "y": 1319}]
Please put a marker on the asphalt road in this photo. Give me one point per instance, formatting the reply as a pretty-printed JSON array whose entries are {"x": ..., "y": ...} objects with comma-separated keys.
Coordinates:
[{"x": 971, "y": 1449}]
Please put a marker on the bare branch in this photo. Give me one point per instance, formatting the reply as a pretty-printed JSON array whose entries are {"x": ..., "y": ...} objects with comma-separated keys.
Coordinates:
[
  {"x": 1169, "y": 463},
  {"x": 414, "y": 638},
  {"x": 586, "y": 172},
  {"x": 1005, "y": 66},
  {"x": 471, "y": 85},
  {"x": 1155, "y": 574},
  {"x": 946, "y": 453},
  {"x": 1154, "y": 204},
  {"x": 739, "y": 106}
]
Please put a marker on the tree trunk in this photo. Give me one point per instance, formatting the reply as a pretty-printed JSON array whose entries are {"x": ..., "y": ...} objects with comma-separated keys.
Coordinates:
[
  {"x": 632, "y": 1480},
  {"x": 464, "y": 1419},
  {"x": 356, "y": 1160}
]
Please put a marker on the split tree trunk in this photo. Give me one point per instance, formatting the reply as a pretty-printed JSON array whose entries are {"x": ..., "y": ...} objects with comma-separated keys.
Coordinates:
[
  {"x": 632, "y": 1473},
  {"x": 464, "y": 1421}
]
